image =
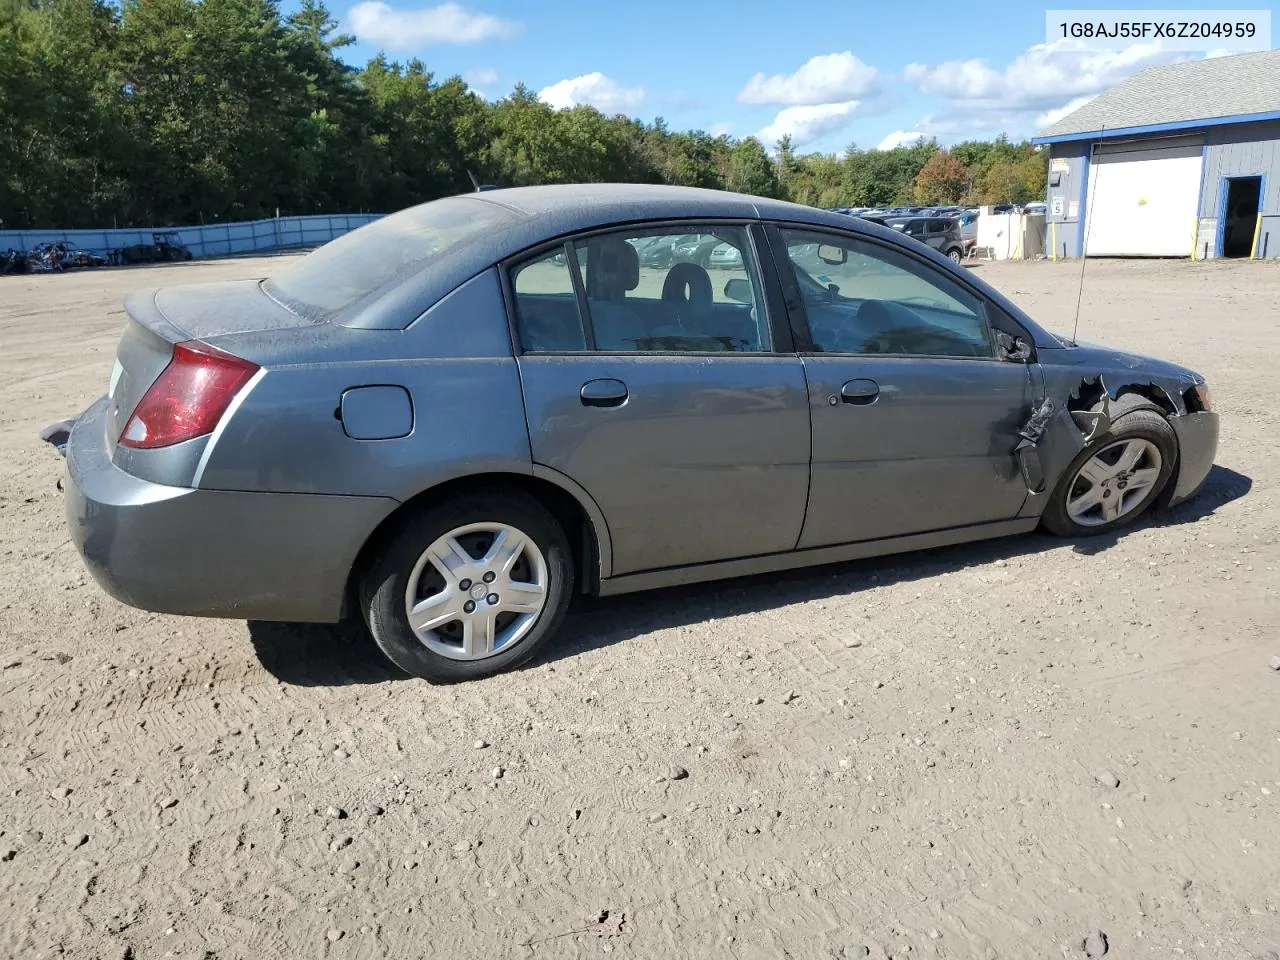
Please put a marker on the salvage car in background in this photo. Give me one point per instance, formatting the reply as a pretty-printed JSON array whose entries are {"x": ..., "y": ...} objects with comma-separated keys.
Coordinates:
[
  {"x": 165, "y": 246},
  {"x": 453, "y": 419}
]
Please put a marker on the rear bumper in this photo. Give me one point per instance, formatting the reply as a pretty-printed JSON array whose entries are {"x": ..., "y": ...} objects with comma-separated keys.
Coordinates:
[
  {"x": 210, "y": 553},
  {"x": 1197, "y": 446}
]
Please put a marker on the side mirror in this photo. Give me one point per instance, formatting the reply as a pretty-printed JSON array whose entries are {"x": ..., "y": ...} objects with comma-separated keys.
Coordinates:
[
  {"x": 1013, "y": 348},
  {"x": 739, "y": 289},
  {"x": 832, "y": 255}
]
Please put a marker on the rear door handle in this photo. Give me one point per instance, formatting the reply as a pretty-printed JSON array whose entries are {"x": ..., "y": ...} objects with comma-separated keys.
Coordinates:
[
  {"x": 605, "y": 392},
  {"x": 860, "y": 391}
]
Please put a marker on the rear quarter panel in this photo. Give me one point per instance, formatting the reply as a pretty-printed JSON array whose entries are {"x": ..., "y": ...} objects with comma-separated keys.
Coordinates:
[{"x": 455, "y": 361}]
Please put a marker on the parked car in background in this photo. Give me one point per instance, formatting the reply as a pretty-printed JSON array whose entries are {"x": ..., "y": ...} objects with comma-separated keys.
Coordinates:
[
  {"x": 165, "y": 246},
  {"x": 1005, "y": 208},
  {"x": 435, "y": 425},
  {"x": 968, "y": 222},
  {"x": 725, "y": 256},
  {"x": 1037, "y": 206},
  {"x": 941, "y": 233}
]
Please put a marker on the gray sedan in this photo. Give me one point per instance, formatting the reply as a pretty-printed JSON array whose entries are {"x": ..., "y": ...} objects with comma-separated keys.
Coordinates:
[{"x": 451, "y": 421}]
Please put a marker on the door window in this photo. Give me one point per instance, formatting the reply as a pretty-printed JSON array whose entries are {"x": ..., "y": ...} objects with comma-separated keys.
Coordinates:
[
  {"x": 692, "y": 289},
  {"x": 861, "y": 297},
  {"x": 547, "y": 306}
]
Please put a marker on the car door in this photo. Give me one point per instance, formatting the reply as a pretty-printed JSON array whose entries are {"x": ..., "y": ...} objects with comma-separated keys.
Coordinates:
[
  {"x": 675, "y": 401},
  {"x": 936, "y": 234},
  {"x": 914, "y": 419}
]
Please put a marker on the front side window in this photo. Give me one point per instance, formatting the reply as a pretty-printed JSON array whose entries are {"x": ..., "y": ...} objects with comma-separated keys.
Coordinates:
[{"x": 862, "y": 297}]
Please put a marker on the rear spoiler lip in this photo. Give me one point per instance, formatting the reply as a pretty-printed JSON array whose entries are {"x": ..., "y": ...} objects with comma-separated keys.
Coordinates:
[{"x": 141, "y": 306}]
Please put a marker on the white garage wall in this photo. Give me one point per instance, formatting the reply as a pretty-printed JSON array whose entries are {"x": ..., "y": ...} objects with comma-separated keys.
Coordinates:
[{"x": 1144, "y": 197}]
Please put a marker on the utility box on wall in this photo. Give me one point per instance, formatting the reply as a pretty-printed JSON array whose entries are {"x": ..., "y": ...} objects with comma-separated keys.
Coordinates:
[{"x": 1059, "y": 190}]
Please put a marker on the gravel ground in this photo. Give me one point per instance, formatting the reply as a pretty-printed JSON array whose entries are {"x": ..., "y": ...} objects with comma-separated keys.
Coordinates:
[{"x": 992, "y": 751}]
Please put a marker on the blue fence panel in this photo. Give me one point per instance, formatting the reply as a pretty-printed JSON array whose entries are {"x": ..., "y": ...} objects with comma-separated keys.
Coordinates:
[{"x": 208, "y": 240}]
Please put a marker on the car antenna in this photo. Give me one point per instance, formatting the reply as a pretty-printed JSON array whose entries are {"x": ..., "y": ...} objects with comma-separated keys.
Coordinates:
[
  {"x": 478, "y": 185},
  {"x": 1084, "y": 243}
]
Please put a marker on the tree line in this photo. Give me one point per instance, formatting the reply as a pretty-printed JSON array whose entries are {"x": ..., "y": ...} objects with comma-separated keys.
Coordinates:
[{"x": 159, "y": 112}]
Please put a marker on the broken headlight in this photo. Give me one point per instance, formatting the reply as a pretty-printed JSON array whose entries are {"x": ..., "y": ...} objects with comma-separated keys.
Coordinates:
[{"x": 1201, "y": 391}]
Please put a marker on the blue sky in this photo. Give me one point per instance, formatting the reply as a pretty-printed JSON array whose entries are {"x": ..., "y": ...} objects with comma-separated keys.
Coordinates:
[{"x": 827, "y": 73}]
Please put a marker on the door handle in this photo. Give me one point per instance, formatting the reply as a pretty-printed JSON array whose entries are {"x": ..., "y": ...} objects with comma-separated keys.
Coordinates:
[
  {"x": 861, "y": 392},
  {"x": 605, "y": 392}
]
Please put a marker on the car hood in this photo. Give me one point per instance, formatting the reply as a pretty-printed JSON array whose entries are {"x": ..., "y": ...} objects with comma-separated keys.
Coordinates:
[{"x": 1099, "y": 358}]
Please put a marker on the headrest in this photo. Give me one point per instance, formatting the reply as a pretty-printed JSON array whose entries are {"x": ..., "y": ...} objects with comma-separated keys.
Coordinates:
[
  {"x": 689, "y": 285},
  {"x": 613, "y": 267}
]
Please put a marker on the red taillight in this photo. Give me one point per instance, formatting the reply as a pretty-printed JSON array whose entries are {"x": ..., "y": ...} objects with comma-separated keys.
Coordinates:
[{"x": 189, "y": 397}]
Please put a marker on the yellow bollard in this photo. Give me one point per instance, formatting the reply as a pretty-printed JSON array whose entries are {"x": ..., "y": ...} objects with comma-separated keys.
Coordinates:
[
  {"x": 1053, "y": 229},
  {"x": 1195, "y": 238},
  {"x": 1257, "y": 229}
]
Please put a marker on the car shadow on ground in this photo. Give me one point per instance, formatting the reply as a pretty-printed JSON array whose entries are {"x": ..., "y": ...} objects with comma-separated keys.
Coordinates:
[{"x": 308, "y": 654}]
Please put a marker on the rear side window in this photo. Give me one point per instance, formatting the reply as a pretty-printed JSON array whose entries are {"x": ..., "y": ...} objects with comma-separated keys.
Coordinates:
[
  {"x": 685, "y": 290},
  {"x": 343, "y": 272},
  {"x": 547, "y": 306}
]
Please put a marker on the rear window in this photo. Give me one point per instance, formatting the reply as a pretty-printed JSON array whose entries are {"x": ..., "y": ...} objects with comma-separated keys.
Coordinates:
[{"x": 339, "y": 274}]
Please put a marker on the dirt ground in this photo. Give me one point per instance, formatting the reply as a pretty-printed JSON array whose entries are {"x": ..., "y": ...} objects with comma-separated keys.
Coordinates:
[{"x": 900, "y": 754}]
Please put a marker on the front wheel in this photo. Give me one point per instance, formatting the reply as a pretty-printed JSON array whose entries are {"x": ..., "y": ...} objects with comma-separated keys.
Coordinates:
[
  {"x": 1115, "y": 479},
  {"x": 469, "y": 587},
  {"x": 955, "y": 255}
]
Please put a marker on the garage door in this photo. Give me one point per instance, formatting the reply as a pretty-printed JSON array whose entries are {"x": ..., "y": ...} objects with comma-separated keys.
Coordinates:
[{"x": 1143, "y": 198}]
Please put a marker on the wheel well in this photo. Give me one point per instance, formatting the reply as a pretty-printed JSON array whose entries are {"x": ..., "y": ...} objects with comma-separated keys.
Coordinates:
[
  {"x": 1157, "y": 397},
  {"x": 563, "y": 506},
  {"x": 1151, "y": 392}
]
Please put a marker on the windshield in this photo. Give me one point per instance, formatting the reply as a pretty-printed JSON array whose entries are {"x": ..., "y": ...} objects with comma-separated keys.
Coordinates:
[{"x": 350, "y": 268}]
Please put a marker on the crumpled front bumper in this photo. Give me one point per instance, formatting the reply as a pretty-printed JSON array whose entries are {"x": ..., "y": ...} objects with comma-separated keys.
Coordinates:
[
  {"x": 1197, "y": 446},
  {"x": 212, "y": 553}
]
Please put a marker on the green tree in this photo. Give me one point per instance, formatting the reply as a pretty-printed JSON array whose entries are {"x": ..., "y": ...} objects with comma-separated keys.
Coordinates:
[
  {"x": 119, "y": 112},
  {"x": 942, "y": 180},
  {"x": 750, "y": 170}
]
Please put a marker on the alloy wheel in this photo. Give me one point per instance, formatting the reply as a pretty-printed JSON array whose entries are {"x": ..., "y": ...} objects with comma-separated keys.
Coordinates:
[
  {"x": 1114, "y": 482},
  {"x": 476, "y": 591}
]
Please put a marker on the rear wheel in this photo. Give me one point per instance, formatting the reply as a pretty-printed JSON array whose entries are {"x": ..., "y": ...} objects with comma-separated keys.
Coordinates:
[
  {"x": 955, "y": 255},
  {"x": 470, "y": 587},
  {"x": 1115, "y": 479}
]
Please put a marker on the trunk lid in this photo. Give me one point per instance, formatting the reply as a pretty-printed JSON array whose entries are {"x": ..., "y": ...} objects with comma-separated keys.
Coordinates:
[{"x": 160, "y": 318}]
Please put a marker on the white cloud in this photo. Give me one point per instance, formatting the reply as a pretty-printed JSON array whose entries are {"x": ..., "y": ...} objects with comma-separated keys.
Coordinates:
[
  {"x": 482, "y": 77},
  {"x": 825, "y": 79},
  {"x": 805, "y": 124},
  {"x": 721, "y": 129},
  {"x": 1050, "y": 117},
  {"x": 1044, "y": 77},
  {"x": 899, "y": 138},
  {"x": 593, "y": 89},
  {"x": 1040, "y": 86},
  {"x": 376, "y": 22}
]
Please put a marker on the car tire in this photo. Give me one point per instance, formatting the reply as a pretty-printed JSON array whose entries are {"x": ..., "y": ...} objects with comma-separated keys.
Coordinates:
[
  {"x": 955, "y": 255},
  {"x": 439, "y": 654},
  {"x": 1141, "y": 426}
]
